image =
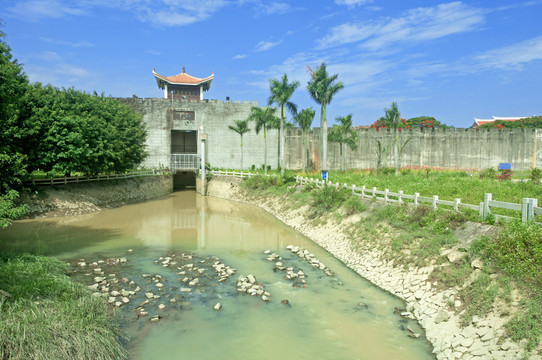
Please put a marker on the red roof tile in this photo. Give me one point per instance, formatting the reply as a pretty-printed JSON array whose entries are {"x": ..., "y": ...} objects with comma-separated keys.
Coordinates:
[{"x": 182, "y": 79}]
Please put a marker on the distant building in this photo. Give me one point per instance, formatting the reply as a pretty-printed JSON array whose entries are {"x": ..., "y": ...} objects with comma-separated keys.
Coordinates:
[
  {"x": 183, "y": 86},
  {"x": 478, "y": 122}
]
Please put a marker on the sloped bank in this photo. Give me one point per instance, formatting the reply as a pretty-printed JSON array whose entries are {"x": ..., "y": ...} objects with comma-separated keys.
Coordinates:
[
  {"x": 426, "y": 303},
  {"x": 81, "y": 198}
]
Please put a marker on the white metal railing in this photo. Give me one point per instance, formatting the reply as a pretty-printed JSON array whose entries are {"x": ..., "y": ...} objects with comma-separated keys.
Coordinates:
[
  {"x": 184, "y": 162},
  {"x": 103, "y": 177},
  {"x": 238, "y": 174}
]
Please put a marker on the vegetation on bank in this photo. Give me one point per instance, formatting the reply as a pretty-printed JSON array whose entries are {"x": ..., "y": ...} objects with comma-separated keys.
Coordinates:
[
  {"x": 46, "y": 315},
  {"x": 510, "y": 280},
  {"x": 59, "y": 131}
]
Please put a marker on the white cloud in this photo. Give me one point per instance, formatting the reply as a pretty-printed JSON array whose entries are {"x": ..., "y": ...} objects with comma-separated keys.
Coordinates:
[
  {"x": 68, "y": 43},
  {"x": 266, "y": 45},
  {"x": 239, "y": 56},
  {"x": 512, "y": 56},
  {"x": 34, "y": 10},
  {"x": 352, "y": 3},
  {"x": 415, "y": 25},
  {"x": 275, "y": 8}
]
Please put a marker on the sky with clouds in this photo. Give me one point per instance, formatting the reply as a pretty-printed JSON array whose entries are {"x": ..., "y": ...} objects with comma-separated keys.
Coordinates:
[{"x": 454, "y": 60}]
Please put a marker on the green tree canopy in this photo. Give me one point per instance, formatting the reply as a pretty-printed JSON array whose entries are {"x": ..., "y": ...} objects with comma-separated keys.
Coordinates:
[
  {"x": 72, "y": 131},
  {"x": 344, "y": 134},
  {"x": 264, "y": 119},
  {"x": 533, "y": 122},
  {"x": 304, "y": 119}
]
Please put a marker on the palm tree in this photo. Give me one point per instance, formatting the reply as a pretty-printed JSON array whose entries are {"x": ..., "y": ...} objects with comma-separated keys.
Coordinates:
[
  {"x": 304, "y": 120},
  {"x": 392, "y": 119},
  {"x": 240, "y": 127},
  {"x": 344, "y": 134},
  {"x": 322, "y": 88},
  {"x": 264, "y": 119},
  {"x": 281, "y": 92}
]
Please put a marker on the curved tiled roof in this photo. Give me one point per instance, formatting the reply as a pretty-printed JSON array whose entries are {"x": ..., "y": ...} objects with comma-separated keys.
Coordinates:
[{"x": 182, "y": 79}]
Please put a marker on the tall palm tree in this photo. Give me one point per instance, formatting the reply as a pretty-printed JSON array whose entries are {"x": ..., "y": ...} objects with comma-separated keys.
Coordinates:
[
  {"x": 344, "y": 134},
  {"x": 281, "y": 92},
  {"x": 304, "y": 120},
  {"x": 264, "y": 119},
  {"x": 392, "y": 119},
  {"x": 322, "y": 88},
  {"x": 240, "y": 127}
]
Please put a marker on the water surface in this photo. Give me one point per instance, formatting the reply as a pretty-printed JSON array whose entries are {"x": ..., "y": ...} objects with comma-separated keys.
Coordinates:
[{"x": 333, "y": 317}]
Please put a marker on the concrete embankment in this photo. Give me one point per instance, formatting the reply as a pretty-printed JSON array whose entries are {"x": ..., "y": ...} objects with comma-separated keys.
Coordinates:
[
  {"x": 437, "y": 310},
  {"x": 75, "y": 199}
]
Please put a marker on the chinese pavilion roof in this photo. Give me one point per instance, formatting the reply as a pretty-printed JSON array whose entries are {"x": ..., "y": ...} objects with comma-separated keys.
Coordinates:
[{"x": 183, "y": 79}]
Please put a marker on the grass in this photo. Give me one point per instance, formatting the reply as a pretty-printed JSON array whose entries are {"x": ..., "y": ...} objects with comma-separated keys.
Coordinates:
[
  {"x": 448, "y": 185},
  {"x": 49, "y": 316}
]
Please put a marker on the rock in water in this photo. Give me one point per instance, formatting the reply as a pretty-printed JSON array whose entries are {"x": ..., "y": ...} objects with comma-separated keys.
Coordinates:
[{"x": 217, "y": 307}]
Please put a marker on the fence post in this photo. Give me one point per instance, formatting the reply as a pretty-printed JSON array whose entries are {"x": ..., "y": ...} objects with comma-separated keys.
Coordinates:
[
  {"x": 337, "y": 185},
  {"x": 400, "y": 197},
  {"x": 353, "y": 189},
  {"x": 374, "y": 192},
  {"x": 386, "y": 191},
  {"x": 457, "y": 202},
  {"x": 435, "y": 202},
  {"x": 363, "y": 191},
  {"x": 527, "y": 211},
  {"x": 416, "y": 195},
  {"x": 532, "y": 204},
  {"x": 481, "y": 211},
  {"x": 487, "y": 199}
]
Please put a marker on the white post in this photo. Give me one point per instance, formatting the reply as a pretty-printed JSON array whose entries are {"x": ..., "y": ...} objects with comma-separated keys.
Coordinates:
[
  {"x": 416, "y": 195},
  {"x": 386, "y": 191},
  {"x": 400, "y": 198},
  {"x": 487, "y": 199},
  {"x": 457, "y": 202},
  {"x": 435, "y": 200},
  {"x": 363, "y": 191}
]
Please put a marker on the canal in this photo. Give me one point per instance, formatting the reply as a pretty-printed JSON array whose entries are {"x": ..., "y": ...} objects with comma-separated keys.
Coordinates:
[{"x": 151, "y": 254}]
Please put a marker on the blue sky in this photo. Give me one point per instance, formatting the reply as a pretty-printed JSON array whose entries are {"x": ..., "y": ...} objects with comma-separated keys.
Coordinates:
[{"x": 452, "y": 60}]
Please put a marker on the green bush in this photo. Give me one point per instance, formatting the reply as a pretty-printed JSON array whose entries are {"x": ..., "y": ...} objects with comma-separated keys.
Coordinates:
[
  {"x": 536, "y": 175},
  {"x": 517, "y": 251},
  {"x": 489, "y": 173}
]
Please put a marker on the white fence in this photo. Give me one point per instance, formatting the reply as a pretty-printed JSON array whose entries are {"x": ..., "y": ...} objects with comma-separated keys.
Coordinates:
[
  {"x": 237, "y": 174},
  {"x": 82, "y": 179},
  {"x": 529, "y": 207}
]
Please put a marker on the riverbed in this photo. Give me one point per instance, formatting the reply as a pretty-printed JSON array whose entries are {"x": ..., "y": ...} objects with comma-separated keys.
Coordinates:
[{"x": 332, "y": 314}]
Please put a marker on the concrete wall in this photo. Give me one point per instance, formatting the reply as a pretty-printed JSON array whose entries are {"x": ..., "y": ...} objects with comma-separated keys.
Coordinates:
[
  {"x": 223, "y": 145},
  {"x": 452, "y": 148}
]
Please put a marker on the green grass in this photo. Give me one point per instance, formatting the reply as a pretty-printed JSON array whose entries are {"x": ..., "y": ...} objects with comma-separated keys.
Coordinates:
[
  {"x": 49, "y": 316},
  {"x": 448, "y": 185}
]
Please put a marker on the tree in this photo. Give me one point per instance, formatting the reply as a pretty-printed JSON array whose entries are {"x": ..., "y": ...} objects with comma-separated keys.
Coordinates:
[
  {"x": 13, "y": 88},
  {"x": 533, "y": 122},
  {"x": 281, "y": 92},
  {"x": 72, "y": 131},
  {"x": 381, "y": 152},
  {"x": 264, "y": 119},
  {"x": 240, "y": 127},
  {"x": 392, "y": 120},
  {"x": 425, "y": 122},
  {"x": 344, "y": 134},
  {"x": 322, "y": 88},
  {"x": 304, "y": 120}
]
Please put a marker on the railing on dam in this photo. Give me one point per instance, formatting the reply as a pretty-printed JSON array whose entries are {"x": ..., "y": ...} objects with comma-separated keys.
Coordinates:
[{"x": 184, "y": 162}]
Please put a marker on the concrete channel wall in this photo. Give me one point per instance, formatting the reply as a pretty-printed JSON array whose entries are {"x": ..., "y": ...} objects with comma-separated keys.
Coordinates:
[{"x": 452, "y": 148}]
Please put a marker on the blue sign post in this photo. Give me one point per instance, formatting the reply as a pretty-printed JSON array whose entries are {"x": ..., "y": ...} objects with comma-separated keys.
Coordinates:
[
  {"x": 324, "y": 175},
  {"x": 505, "y": 166}
]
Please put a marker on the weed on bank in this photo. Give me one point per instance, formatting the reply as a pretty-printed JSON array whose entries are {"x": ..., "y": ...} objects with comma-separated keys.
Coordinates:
[{"x": 46, "y": 315}]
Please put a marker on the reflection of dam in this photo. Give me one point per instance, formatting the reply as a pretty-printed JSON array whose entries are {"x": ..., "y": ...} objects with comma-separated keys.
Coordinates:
[{"x": 195, "y": 222}]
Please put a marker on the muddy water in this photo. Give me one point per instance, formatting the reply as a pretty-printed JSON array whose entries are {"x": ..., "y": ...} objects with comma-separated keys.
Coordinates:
[{"x": 337, "y": 316}]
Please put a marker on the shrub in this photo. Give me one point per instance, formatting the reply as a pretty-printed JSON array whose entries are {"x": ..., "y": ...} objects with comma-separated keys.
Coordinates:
[
  {"x": 505, "y": 175},
  {"x": 488, "y": 173},
  {"x": 536, "y": 175}
]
